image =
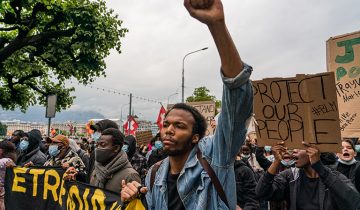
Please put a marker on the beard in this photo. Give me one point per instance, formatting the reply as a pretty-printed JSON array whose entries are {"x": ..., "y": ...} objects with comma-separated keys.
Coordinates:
[{"x": 180, "y": 150}]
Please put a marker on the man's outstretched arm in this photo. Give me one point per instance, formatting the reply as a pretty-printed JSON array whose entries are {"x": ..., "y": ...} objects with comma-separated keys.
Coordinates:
[{"x": 211, "y": 13}]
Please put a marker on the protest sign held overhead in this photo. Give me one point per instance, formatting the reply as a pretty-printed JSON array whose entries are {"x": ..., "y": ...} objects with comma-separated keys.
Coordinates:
[
  {"x": 301, "y": 108},
  {"x": 45, "y": 188},
  {"x": 207, "y": 109},
  {"x": 343, "y": 58}
]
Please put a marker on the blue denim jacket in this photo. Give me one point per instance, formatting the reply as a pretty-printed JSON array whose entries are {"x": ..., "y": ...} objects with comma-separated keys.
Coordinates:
[{"x": 194, "y": 185}]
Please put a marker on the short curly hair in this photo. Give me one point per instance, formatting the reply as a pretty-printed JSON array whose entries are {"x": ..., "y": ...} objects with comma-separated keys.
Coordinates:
[{"x": 200, "y": 124}]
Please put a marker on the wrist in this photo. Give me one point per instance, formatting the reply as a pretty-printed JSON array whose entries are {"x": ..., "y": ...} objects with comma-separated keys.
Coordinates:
[{"x": 216, "y": 24}]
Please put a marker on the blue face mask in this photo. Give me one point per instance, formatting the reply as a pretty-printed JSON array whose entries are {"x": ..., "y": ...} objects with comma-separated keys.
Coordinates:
[
  {"x": 158, "y": 144},
  {"x": 267, "y": 148},
  {"x": 54, "y": 150},
  {"x": 288, "y": 163},
  {"x": 125, "y": 148},
  {"x": 23, "y": 145},
  {"x": 357, "y": 148},
  {"x": 96, "y": 136}
]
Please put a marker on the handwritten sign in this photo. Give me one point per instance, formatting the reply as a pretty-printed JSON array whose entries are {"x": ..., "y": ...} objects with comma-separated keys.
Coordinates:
[
  {"x": 143, "y": 137},
  {"x": 207, "y": 109},
  {"x": 343, "y": 58},
  {"x": 301, "y": 108}
]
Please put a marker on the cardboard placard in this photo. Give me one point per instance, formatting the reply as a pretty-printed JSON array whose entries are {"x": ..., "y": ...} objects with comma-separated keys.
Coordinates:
[
  {"x": 143, "y": 137},
  {"x": 296, "y": 109},
  {"x": 343, "y": 58},
  {"x": 207, "y": 109}
]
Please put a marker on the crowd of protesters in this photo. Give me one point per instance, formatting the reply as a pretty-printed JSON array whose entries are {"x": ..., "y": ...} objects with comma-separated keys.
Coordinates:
[{"x": 181, "y": 168}]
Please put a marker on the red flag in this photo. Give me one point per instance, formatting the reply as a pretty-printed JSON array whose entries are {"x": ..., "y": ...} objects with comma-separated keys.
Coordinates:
[
  {"x": 133, "y": 126},
  {"x": 161, "y": 117}
]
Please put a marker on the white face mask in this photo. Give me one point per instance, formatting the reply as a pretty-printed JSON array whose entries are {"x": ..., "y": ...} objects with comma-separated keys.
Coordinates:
[
  {"x": 245, "y": 156},
  {"x": 96, "y": 136}
]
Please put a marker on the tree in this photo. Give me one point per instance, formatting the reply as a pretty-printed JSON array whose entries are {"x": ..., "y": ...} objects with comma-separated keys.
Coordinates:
[
  {"x": 3, "y": 129},
  {"x": 203, "y": 94},
  {"x": 43, "y": 43}
]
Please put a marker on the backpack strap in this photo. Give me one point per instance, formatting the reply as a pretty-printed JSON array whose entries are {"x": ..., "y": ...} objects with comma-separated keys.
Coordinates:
[
  {"x": 214, "y": 179},
  {"x": 154, "y": 169}
]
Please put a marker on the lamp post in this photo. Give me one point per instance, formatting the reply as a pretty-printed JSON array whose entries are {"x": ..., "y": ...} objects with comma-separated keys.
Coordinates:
[{"x": 183, "y": 70}]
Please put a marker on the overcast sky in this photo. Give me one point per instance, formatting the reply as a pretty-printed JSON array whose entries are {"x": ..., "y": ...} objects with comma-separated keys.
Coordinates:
[{"x": 279, "y": 38}]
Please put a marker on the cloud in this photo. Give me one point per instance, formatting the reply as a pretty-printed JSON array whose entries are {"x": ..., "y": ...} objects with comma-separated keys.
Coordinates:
[{"x": 278, "y": 38}]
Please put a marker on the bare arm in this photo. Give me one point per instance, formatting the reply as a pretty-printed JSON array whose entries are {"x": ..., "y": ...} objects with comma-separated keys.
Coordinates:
[{"x": 211, "y": 13}]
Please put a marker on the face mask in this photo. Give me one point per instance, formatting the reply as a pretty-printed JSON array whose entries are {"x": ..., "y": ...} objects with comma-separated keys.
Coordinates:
[
  {"x": 23, "y": 145},
  {"x": 158, "y": 144},
  {"x": 125, "y": 148},
  {"x": 288, "y": 163},
  {"x": 357, "y": 148},
  {"x": 267, "y": 148},
  {"x": 243, "y": 156},
  {"x": 103, "y": 155},
  {"x": 54, "y": 150},
  {"x": 96, "y": 136}
]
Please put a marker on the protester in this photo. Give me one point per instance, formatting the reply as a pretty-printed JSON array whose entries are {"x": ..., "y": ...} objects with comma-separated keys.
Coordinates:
[
  {"x": 357, "y": 148},
  {"x": 62, "y": 155},
  {"x": 157, "y": 153},
  {"x": 111, "y": 164},
  {"x": 7, "y": 159},
  {"x": 30, "y": 149},
  {"x": 247, "y": 156},
  {"x": 98, "y": 128},
  {"x": 181, "y": 181},
  {"x": 245, "y": 185},
  {"x": 137, "y": 161},
  {"x": 310, "y": 185},
  {"x": 15, "y": 139},
  {"x": 347, "y": 164},
  {"x": 80, "y": 152}
]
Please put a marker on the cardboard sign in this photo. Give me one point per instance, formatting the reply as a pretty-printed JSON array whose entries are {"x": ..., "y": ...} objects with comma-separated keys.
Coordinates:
[
  {"x": 143, "y": 137},
  {"x": 207, "y": 109},
  {"x": 343, "y": 58},
  {"x": 301, "y": 108}
]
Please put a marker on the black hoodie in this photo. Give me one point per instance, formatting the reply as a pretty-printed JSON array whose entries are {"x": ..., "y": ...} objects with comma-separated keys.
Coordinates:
[
  {"x": 131, "y": 141},
  {"x": 32, "y": 153}
]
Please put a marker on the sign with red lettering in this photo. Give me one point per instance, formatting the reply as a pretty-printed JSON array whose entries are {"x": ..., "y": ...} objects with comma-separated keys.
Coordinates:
[
  {"x": 343, "y": 58},
  {"x": 297, "y": 109}
]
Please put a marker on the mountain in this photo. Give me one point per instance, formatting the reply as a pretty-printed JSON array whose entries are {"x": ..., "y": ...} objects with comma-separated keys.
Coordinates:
[{"x": 37, "y": 114}]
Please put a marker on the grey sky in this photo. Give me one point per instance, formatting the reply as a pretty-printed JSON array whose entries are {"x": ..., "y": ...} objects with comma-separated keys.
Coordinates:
[{"x": 279, "y": 38}]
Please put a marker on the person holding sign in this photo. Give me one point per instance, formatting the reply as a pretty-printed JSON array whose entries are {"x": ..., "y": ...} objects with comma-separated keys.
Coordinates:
[
  {"x": 199, "y": 172},
  {"x": 310, "y": 185}
]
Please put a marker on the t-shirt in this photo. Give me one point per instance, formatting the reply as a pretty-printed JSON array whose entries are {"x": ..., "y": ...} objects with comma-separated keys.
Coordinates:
[
  {"x": 174, "y": 200},
  {"x": 308, "y": 194}
]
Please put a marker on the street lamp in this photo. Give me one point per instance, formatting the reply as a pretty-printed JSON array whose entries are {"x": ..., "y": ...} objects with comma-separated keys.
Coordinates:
[
  {"x": 170, "y": 96},
  {"x": 183, "y": 79}
]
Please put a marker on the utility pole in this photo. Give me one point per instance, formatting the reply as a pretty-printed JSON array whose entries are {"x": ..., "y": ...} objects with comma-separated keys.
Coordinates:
[{"x": 130, "y": 103}]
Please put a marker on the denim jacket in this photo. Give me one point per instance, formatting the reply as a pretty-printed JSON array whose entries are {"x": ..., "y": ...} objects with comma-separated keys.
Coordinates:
[{"x": 194, "y": 185}]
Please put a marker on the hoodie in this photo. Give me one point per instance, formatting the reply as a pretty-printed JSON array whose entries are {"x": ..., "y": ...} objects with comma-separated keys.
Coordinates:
[{"x": 32, "y": 153}]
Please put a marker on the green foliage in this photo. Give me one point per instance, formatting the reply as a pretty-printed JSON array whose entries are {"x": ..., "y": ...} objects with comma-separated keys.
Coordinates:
[
  {"x": 203, "y": 94},
  {"x": 43, "y": 43},
  {"x": 3, "y": 129}
]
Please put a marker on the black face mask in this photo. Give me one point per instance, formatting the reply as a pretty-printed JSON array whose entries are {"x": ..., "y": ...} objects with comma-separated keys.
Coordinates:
[{"x": 104, "y": 155}]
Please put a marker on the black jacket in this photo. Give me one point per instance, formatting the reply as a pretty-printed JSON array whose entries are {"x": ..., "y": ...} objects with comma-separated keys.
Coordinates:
[
  {"x": 33, "y": 152},
  {"x": 245, "y": 186},
  {"x": 336, "y": 191},
  {"x": 353, "y": 173}
]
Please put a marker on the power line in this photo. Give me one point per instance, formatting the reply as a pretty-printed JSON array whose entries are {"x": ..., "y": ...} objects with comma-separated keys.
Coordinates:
[{"x": 119, "y": 92}]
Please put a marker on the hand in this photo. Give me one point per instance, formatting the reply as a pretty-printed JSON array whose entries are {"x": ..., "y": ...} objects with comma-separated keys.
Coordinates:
[
  {"x": 70, "y": 174},
  {"x": 65, "y": 165},
  {"x": 238, "y": 207},
  {"x": 313, "y": 152},
  {"x": 28, "y": 164},
  {"x": 130, "y": 190},
  {"x": 9, "y": 164},
  {"x": 278, "y": 151},
  {"x": 206, "y": 11}
]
